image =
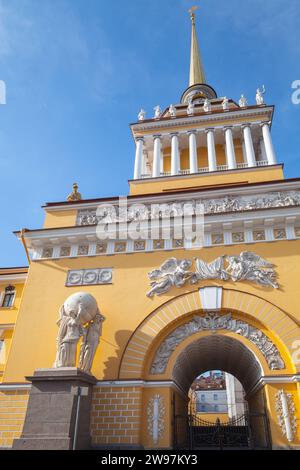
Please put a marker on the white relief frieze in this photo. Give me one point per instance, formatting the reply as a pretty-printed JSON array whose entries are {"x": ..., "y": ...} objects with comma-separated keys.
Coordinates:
[
  {"x": 213, "y": 322},
  {"x": 247, "y": 266},
  {"x": 138, "y": 212}
]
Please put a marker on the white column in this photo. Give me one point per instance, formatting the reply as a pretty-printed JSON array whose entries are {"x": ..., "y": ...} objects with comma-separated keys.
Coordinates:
[
  {"x": 250, "y": 155},
  {"x": 230, "y": 152},
  {"x": 138, "y": 158},
  {"x": 156, "y": 156},
  {"x": 271, "y": 157},
  {"x": 211, "y": 150},
  {"x": 193, "y": 152},
  {"x": 175, "y": 157}
]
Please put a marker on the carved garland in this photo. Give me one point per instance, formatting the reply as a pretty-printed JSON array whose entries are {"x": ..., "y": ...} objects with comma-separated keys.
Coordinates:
[
  {"x": 156, "y": 418},
  {"x": 212, "y": 322},
  {"x": 285, "y": 409}
]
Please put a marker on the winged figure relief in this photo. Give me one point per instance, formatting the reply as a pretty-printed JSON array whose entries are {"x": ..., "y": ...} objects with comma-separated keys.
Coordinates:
[
  {"x": 249, "y": 266},
  {"x": 172, "y": 272}
]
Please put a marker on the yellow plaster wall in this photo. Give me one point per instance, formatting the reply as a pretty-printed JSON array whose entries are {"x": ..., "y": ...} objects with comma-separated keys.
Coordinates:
[
  {"x": 159, "y": 185},
  {"x": 125, "y": 304},
  {"x": 66, "y": 218},
  {"x": 8, "y": 316},
  {"x": 212, "y": 417}
]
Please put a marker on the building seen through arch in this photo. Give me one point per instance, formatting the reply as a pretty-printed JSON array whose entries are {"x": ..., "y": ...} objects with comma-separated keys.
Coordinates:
[{"x": 217, "y": 394}]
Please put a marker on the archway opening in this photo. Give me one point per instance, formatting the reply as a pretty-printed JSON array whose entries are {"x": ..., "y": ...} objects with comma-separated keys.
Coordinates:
[
  {"x": 217, "y": 396},
  {"x": 224, "y": 353}
]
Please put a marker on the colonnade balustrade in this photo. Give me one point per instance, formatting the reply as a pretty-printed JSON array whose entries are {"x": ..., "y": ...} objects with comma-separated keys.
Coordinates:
[{"x": 266, "y": 153}]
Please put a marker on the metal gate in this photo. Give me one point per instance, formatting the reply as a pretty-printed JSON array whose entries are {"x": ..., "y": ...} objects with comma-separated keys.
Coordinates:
[
  {"x": 232, "y": 434},
  {"x": 249, "y": 431}
]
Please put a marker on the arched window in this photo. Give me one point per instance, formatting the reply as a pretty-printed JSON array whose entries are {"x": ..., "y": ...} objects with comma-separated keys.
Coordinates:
[{"x": 9, "y": 297}]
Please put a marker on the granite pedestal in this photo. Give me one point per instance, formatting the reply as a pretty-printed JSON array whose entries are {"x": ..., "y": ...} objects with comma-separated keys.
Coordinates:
[{"x": 50, "y": 420}]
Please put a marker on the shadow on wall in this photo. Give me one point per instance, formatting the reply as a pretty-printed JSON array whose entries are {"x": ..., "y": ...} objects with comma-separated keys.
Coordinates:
[{"x": 113, "y": 363}]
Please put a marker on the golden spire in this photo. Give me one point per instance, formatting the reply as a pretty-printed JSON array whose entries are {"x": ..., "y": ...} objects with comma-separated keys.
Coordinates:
[{"x": 196, "y": 68}]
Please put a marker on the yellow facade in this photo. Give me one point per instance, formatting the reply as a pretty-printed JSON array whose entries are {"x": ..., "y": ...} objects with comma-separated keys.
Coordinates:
[{"x": 136, "y": 326}]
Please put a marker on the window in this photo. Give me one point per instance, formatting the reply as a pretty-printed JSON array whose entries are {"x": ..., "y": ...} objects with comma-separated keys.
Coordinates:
[
  {"x": 202, "y": 397},
  {"x": 9, "y": 297},
  {"x": 215, "y": 396},
  {"x": 216, "y": 408}
]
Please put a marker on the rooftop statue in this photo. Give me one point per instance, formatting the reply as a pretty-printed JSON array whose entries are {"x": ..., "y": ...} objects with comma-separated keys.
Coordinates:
[
  {"x": 74, "y": 195},
  {"x": 172, "y": 110},
  {"x": 191, "y": 108},
  {"x": 260, "y": 96},
  {"x": 157, "y": 112},
  {"x": 207, "y": 106},
  {"x": 243, "y": 103},
  {"x": 225, "y": 104},
  {"x": 141, "y": 115}
]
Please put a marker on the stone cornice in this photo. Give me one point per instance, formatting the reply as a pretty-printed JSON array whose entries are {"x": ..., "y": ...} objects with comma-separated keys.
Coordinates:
[
  {"x": 273, "y": 379},
  {"x": 89, "y": 230},
  {"x": 204, "y": 119},
  {"x": 16, "y": 278},
  {"x": 241, "y": 189}
]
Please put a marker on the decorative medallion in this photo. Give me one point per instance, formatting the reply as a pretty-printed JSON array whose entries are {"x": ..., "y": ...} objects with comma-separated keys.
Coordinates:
[
  {"x": 87, "y": 277},
  {"x": 213, "y": 322}
]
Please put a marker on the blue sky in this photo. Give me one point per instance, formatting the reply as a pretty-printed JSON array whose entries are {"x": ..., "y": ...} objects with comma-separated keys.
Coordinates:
[{"x": 78, "y": 71}]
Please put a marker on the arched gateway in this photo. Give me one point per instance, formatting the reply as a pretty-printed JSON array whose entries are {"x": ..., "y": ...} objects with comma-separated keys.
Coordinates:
[{"x": 239, "y": 333}]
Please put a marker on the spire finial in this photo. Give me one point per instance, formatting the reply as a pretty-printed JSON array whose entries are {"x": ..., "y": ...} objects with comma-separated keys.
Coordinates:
[
  {"x": 192, "y": 13},
  {"x": 196, "y": 68}
]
